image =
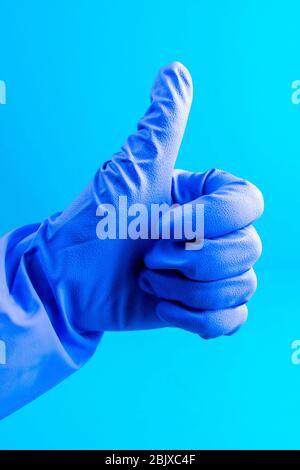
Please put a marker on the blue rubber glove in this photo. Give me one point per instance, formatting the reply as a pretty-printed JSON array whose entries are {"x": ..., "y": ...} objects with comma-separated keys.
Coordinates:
[{"x": 61, "y": 286}]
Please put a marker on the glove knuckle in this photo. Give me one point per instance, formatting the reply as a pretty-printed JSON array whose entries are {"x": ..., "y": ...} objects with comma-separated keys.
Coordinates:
[
  {"x": 250, "y": 285},
  {"x": 255, "y": 196}
]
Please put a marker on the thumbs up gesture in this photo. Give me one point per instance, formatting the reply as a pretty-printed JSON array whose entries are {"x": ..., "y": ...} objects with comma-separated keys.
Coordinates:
[{"x": 107, "y": 273}]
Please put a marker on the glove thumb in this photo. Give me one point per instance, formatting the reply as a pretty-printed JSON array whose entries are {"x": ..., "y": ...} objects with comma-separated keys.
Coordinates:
[{"x": 152, "y": 150}]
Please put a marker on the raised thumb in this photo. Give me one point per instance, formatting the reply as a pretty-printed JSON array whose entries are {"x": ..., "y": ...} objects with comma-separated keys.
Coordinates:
[{"x": 153, "y": 148}]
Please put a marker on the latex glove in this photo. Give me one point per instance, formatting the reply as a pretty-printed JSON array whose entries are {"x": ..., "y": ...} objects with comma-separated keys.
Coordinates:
[
  {"x": 61, "y": 286},
  {"x": 95, "y": 281}
]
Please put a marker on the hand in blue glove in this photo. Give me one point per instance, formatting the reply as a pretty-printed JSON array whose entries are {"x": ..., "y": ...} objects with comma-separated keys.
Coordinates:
[
  {"x": 61, "y": 286},
  {"x": 95, "y": 281}
]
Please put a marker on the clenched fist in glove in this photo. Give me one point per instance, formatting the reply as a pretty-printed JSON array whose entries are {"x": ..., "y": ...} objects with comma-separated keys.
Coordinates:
[{"x": 63, "y": 286}]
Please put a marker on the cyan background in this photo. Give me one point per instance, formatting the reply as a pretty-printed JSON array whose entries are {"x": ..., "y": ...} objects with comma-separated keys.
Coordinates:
[{"x": 78, "y": 74}]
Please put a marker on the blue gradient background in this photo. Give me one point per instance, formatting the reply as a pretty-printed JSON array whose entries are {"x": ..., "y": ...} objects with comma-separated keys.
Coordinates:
[{"x": 78, "y": 76}]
